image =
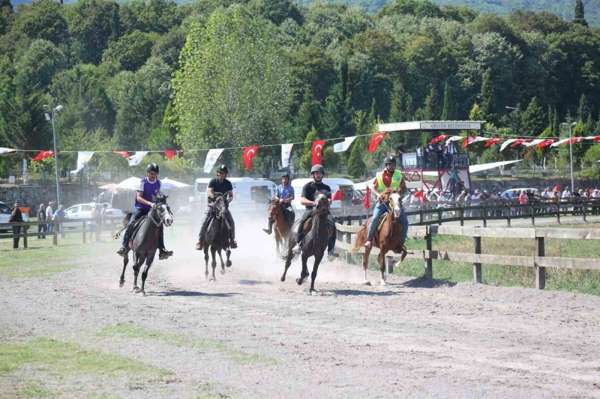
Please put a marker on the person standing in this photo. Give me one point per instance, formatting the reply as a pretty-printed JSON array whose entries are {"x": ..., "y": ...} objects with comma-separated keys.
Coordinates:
[
  {"x": 16, "y": 217},
  {"x": 41, "y": 215},
  {"x": 58, "y": 219},
  {"x": 49, "y": 215}
]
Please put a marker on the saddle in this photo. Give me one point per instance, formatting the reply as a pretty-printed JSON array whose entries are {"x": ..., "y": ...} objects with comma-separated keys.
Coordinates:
[{"x": 135, "y": 228}]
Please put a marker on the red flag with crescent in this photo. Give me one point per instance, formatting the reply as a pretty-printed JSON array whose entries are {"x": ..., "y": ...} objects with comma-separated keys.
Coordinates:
[
  {"x": 545, "y": 143},
  {"x": 317, "y": 151},
  {"x": 376, "y": 138},
  {"x": 249, "y": 153},
  {"x": 439, "y": 138},
  {"x": 124, "y": 154},
  {"x": 491, "y": 142},
  {"x": 43, "y": 155},
  {"x": 170, "y": 153},
  {"x": 367, "y": 199}
]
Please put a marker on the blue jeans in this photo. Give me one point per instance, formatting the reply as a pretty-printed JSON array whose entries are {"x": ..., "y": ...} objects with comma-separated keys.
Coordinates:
[{"x": 380, "y": 210}]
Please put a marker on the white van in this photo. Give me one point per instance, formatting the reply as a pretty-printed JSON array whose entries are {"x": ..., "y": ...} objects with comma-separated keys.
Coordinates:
[
  {"x": 249, "y": 194},
  {"x": 346, "y": 185}
]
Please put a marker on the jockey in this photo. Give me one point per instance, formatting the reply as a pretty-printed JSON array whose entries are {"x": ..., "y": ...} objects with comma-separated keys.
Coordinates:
[
  {"x": 285, "y": 196},
  {"x": 148, "y": 191},
  {"x": 392, "y": 179},
  {"x": 218, "y": 186},
  {"x": 309, "y": 193}
]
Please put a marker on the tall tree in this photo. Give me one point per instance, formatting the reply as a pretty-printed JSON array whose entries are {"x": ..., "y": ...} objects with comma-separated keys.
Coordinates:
[
  {"x": 448, "y": 103},
  {"x": 487, "y": 96},
  {"x": 579, "y": 13},
  {"x": 533, "y": 119}
]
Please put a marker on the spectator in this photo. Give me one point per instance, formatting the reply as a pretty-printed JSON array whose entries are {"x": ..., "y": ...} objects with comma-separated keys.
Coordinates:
[
  {"x": 41, "y": 216},
  {"x": 16, "y": 217},
  {"x": 49, "y": 216},
  {"x": 58, "y": 218},
  {"x": 566, "y": 195},
  {"x": 523, "y": 199}
]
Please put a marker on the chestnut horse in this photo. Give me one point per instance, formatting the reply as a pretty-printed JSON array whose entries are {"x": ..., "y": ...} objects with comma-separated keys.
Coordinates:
[
  {"x": 387, "y": 238},
  {"x": 282, "y": 225},
  {"x": 319, "y": 229}
]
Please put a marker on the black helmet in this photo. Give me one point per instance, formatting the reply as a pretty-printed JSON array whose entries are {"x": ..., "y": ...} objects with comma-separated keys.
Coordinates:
[
  {"x": 389, "y": 159},
  {"x": 286, "y": 174},
  {"x": 317, "y": 168},
  {"x": 152, "y": 168},
  {"x": 223, "y": 168}
]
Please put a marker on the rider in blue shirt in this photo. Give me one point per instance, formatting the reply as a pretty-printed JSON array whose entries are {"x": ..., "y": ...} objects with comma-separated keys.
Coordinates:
[
  {"x": 285, "y": 195},
  {"x": 149, "y": 189}
]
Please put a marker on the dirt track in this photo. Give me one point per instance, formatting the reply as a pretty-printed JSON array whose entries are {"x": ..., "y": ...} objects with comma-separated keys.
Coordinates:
[{"x": 250, "y": 336}]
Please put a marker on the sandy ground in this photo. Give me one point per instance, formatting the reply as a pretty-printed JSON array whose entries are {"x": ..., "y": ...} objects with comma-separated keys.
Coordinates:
[{"x": 267, "y": 339}]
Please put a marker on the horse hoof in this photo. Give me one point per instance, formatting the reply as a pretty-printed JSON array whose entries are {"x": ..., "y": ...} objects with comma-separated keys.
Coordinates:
[
  {"x": 212, "y": 279},
  {"x": 229, "y": 264},
  {"x": 367, "y": 282},
  {"x": 222, "y": 271},
  {"x": 382, "y": 282},
  {"x": 121, "y": 284},
  {"x": 282, "y": 279},
  {"x": 313, "y": 292},
  {"x": 136, "y": 290},
  {"x": 299, "y": 281}
]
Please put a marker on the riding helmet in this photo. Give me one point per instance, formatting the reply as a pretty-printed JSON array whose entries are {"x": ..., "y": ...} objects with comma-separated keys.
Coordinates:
[
  {"x": 152, "y": 168},
  {"x": 317, "y": 168},
  {"x": 286, "y": 174},
  {"x": 389, "y": 159},
  {"x": 223, "y": 168}
]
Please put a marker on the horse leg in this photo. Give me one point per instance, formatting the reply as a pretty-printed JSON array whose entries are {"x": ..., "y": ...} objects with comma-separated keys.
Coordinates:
[
  {"x": 313, "y": 275},
  {"x": 381, "y": 261},
  {"x": 136, "y": 270},
  {"x": 304, "y": 274},
  {"x": 145, "y": 273},
  {"x": 228, "y": 254},
  {"x": 213, "y": 263},
  {"x": 206, "y": 262},
  {"x": 288, "y": 259},
  {"x": 366, "y": 265},
  {"x": 221, "y": 259},
  {"x": 122, "y": 279}
]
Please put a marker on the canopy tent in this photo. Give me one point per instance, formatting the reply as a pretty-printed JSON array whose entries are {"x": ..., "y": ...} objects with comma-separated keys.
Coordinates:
[
  {"x": 429, "y": 125},
  {"x": 478, "y": 168},
  {"x": 133, "y": 183},
  {"x": 171, "y": 184}
]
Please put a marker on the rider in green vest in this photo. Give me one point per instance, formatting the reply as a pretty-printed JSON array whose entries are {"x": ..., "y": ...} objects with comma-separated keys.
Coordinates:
[{"x": 392, "y": 179}]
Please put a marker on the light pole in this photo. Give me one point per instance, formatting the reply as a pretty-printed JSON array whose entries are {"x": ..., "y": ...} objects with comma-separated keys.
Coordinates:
[
  {"x": 50, "y": 116},
  {"x": 570, "y": 125}
]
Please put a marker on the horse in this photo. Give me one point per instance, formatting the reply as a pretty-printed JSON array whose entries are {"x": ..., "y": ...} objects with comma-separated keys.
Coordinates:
[
  {"x": 319, "y": 230},
  {"x": 387, "y": 238},
  {"x": 144, "y": 241},
  {"x": 217, "y": 237},
  {"x": 282, "y": 225}
]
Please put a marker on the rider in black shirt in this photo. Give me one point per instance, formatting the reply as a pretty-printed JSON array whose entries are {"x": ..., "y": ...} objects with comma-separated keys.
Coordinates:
[
  {"x": 218, "y": 186},
  {"x": 309, "y": 193}
]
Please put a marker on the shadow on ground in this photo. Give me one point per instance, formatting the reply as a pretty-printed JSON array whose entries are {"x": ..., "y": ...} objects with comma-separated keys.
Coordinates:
[
  {"x": 186, "y": 293},
  {"x": 422, "y": 282}
]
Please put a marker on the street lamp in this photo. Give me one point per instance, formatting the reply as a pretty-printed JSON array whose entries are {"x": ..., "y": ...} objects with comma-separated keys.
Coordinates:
[
  {"x": 50, "y": 115},
  {"x": 570, "y": 125}
]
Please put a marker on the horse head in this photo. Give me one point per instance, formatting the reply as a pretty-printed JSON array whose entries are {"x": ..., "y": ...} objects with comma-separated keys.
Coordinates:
[
  {"x": 220, "y": 206},
  {"x": 322, "y": 204},
  {"x": 161, "y": 212},
  {"x": 395, "y": 203},
  {"x": 273, "y": 207}
]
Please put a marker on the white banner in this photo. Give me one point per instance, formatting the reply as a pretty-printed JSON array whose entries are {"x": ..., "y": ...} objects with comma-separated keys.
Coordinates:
[
  {"x": 211, "y": 158},
  {"x": 4, "y": 150},
  {"x": 506, "y": 144},
  {"x": 137, "y": 158},
  {"x": 344, "y": 145},
  {"x": 559, "y": 142},
  {"x": 83, "y": 157},
  {"x": 533, "y": 142},
  {"x": 286, "y": 153},
  {"x": 454, "y": 138}
]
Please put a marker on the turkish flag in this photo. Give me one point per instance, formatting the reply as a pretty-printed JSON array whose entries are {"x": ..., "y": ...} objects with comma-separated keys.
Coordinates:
[
  {"x": 597, "y": 138},
  {"x": 367, "y": 199},
  {"x": 468, "y": 140},
  {"x": 439, "y": 138},
  {"x": 42, "y": 155},
  {"x": 338, "y": 195},
  {"x": 545, "y": 143},
  {"x": 376, "y": 138},
  {"x": 124, "y": 154},
  {"x": 170, "y": 154},
  {"x": 249, "y": 153},
  {"x": 491, "y": 142},
  {"x": 317, "y": 151}
]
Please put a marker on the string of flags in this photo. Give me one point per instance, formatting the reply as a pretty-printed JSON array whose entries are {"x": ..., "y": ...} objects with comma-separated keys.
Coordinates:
[{"x": 134, "y": 158}]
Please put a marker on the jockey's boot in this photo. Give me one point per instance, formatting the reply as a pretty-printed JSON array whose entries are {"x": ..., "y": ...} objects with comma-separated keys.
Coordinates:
[
  {"x": 122, "y": 251},
  {"x": 233, "y": 243},
  {"x": 164, "y": 254},
  {"x": 269, "y": 230},
  {"x": 297, "y": 249},
  {"x": 199, "y": 245},
  {"x": 368, "y": 244}
]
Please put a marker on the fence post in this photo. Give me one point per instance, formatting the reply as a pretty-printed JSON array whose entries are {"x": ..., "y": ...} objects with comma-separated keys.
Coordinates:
[
  {"x": 540, "y": 272},
  {"x": 508, "y": 215},
  {"x": 584, "y": 210},
  {"x": 484, "y": 213},
  {"x": 558, "y": 213},
  {"x": 462, "y": 215},
  {"x": 428, "y": 260},
  {"x": 532, "y": 214},
  {"x": 349, "y": 235},
  {"x": 24, "y": 230},
  {"x": 83, "y": 232},
  {"x": 477, "y": 266},
  {"x": 54, "y": 233}
]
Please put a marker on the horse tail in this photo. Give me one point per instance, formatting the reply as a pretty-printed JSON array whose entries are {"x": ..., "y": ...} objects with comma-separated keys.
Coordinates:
[{"x": 361, "y": 238}]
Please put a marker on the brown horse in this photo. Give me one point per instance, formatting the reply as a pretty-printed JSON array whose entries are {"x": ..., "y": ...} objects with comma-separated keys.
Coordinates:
[
  {"x": 282, "y": 224},
  {"x": 387, "y": 238}
]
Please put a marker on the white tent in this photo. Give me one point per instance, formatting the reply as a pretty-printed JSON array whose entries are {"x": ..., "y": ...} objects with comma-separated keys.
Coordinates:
[
  {"x": 133, "y": 183},
  {"x": 170, "y": 184}
]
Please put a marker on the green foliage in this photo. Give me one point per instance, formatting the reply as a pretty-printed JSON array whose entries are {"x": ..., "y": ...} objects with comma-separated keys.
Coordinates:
[
  {"x": 356, "y": 165},
  {"x": 130, "y": 51},
  {"x": 579, "y": 13},
  {"x": 42, "y": 19},
  {"x": 533, "y": 119},
  {"x": 233, "y": 87}
]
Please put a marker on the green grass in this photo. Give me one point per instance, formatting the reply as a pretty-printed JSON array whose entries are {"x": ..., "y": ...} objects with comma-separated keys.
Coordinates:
[
  {"x": 583, "y": 281},
  {"x": 205, "y": 344},
  {"x": 34, "y": 390},
  {"x": 66, "y": 358}
]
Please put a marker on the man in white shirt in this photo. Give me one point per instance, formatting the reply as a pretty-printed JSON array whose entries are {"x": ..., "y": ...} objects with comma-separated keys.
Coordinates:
[{"x": 50, "y": 217}]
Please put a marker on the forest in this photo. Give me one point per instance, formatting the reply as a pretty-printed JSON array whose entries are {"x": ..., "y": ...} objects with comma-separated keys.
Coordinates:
[{"x": 156, "y": 75}]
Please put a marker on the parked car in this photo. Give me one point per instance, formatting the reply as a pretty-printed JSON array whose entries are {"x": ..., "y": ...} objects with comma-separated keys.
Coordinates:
[
  {"x": 513, "y": 193},
  {"x": 5, "y": 212},
  {"x": 84, "y": 211}
]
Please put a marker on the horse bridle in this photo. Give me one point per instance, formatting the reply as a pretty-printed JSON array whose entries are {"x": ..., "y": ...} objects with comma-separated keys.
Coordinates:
[{"x": 153, "y": 220}]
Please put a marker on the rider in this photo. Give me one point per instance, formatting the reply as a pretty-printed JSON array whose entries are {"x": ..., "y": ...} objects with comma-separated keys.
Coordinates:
[
  {"x": 285, "y": 196},
  {"x": 309, "y": 193},
  {"x": 148, "y": 191},
  {"x": 218, "y": 186},
  {"x": 388, "y": 178}
]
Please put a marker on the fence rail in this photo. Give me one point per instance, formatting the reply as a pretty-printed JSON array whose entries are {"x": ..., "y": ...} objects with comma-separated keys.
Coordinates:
[{"x": 538, "y": 261}]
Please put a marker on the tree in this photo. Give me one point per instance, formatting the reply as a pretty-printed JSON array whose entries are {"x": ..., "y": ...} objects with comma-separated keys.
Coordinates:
[
  {"x": 93, "y": 23},
  {"x": 130, "y": 51},
  {"x": 277, "y": 11},
  {"x": 38, "y": 65},
  {"x": 533, "y": 119},
  {"x": 42, "y": 19},
  {"x": 579, "y": 13},
  {"x": 583, "y": 110},
  {"x": 233, "y": 87},
  {"x": 448, "y": 104},
  {"x": 487, "y": 96},
  {"x": 475, "y": 113},
  {"x": 401, "y": 104},
  {"x": 356, "y": 165},
  {"x": 6, "y": 15}
]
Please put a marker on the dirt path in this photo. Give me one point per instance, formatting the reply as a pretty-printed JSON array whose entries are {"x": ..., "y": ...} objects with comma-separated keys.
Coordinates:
[{"x": 250, "y": 336}]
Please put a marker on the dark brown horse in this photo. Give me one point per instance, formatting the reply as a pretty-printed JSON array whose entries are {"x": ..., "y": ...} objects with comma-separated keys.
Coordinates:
[
  {"x": 318, "y": 230},
  {"x": 217, "y": 237},
  {"x": 282, "y": 223},
  {"x": 387, "y": 238}
]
